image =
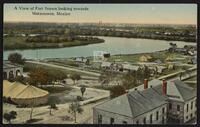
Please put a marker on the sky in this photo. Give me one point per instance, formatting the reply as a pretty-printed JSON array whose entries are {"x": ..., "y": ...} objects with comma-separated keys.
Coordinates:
[{"x": 107, "y": 13}]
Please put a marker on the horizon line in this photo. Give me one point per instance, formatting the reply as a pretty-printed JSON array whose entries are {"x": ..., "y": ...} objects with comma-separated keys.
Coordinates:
[{"x": 97, "y": 23}]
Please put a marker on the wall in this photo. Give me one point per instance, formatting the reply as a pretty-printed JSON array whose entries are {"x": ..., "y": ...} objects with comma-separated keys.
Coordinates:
[
  {"x": 120, "y": 118},
  {"x": 153, "y": 112},
  {"x": 190, "y": 111},
  {"x": 107, "y": 115},
  {"x": 173, "y": 113}
]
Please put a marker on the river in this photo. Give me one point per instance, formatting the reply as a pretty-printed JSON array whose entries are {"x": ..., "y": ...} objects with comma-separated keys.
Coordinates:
[{"x": 113, "y": 45}]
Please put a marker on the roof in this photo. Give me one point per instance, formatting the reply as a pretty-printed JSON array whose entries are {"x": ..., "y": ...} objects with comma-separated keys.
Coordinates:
[
  {"x": 106, "y": 64},
  {"x": 6, "y": 86},
  {"x": 130, "y": 67},
  {"x": 134, "y": 103},
  {"x": 176, "y": 90},
  {"x": 81, "y": 59},
  {"x": 8, "y": 64},
  {"x": 140, "y": 101},
  {"x": 18, "y": 90}
]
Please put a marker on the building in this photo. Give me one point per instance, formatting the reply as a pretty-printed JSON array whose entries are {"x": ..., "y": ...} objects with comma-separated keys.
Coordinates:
[
  {"x": 24, "y": 94},
  {"x": 129, "y": 67},
  {"x": 106, "y": 65},
  {"x": 81, "y": 60},
  {"x": 145, "y": 58},
  {"x": 155, "y": 102},
  {"x": 11, "y": 70}
]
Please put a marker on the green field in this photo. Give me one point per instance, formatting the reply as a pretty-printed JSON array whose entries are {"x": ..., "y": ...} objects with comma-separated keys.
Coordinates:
[
  {"x": 29, "y": 66},
  {"x": 11, "y": 43}
]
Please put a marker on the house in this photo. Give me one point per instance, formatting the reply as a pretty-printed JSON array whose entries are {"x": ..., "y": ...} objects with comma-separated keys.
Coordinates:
[
  {"x": 158, "y": 61},
  {"x": 11, "y": 70},
  {"x": 181, "y": 50},
  {"x": 82, "y": 60},
  {"x": 145, "y": 58},
  {"x": 160, "y": 69},
  {"x": 128, "y": 67},
  {"x": 192, "y": 60},
  {"x": 154, "y": 102},
  {"x": 106, "y": 65}
]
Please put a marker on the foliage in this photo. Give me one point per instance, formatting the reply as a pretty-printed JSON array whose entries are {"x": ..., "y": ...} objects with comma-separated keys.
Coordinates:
[
  {"x": 39, "y": 76},
  {"x": 10, "y": 116},
  {"x": 52, "y": 101},
  {"x": 117, "y": 91},
  {"x": 75, "y": 77},
  {"x": 16, "y": 58},
  {"x": 75, "y": 108},
  {"x": 83, "y": 89},
  {"x": 79, "y": 98}
]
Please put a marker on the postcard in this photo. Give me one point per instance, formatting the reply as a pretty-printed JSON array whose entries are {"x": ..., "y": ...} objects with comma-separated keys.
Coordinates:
[{"x": 99, "y": 63}]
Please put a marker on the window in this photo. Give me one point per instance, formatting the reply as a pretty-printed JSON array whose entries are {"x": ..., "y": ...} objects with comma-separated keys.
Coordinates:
[
  {"x": 99, "y": 119},
  {"x": 163, "y": 120},
  {"x": 144, "y": 120},
  {"x": 124, "y": 122},
  {"x": 157, "y": 114},
  {"x": 137, "y": 122},
  {"x": 196, "y": 103},
  {"x": 170, "y": 106},
  {"x": 151, "y": 118},
  {"x": 187, "y": 107},
  {"x": 186, "y": 117},
  {"x": 163, "y": 110},
  {"x": 191, "y": 115},
  {"x": 191, "y": 104},
  {"x": 178, "y": 107},
  {"x": 111, "y": 120}
]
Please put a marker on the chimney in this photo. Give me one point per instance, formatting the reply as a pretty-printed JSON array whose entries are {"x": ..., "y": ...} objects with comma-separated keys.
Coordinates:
[
  {"x": 145, "y": 83},
  {"x": 164, "y": 87}
]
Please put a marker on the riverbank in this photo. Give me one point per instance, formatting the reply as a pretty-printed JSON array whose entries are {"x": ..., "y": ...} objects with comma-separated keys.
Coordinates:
[{"x": 13, "y": 43}]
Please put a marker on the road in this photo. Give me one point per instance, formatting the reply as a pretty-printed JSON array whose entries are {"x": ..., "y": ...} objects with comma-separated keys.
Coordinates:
[
  {"x": 66, "y": 68},
  {"x": 185, "y": 74}
]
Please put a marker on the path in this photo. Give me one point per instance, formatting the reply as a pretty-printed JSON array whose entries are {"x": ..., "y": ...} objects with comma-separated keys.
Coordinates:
[{"x": 66, "y": 68}]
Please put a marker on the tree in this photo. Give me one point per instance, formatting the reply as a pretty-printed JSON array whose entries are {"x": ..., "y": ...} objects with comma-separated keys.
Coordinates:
[
  {"x": 52, "y": 101},
  {"x": 38, "y": 76},
  {"x": 83, "y": 89},
  {"x": 9, "y": 116},
  {"x": 75, "y": 108},
  {"x": 56, "y": 75},
  {"x": 106, "y": 77},
  {"x": 16, "y": 58},
  {"x": 129, "y": 80},
  {"x": 117, "y": 91},
  {"x": 20, "y": 79},
  {"x": 75, "y": 77}
]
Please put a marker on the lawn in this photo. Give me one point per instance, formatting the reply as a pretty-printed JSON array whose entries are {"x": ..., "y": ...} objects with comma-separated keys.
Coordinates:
[
  {"x": 29, "y": 66},
  {"x": 11, "y": 43}
]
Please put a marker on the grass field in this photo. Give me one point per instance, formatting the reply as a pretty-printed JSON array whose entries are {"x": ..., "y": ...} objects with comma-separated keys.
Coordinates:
[
  {"x": 11, "y": 43},
  {"x": 29, "y": 66}
]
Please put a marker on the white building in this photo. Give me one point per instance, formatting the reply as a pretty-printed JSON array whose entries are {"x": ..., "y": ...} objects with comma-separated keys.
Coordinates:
[
  {"x": 155, "y": 102},
  {"x": 11, "y": 70}
]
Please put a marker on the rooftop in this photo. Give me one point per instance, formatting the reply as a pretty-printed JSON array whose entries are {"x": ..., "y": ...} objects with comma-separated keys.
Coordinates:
[
  {"x": 8, "y": 64},
  {"x": 139, "y": 101}
]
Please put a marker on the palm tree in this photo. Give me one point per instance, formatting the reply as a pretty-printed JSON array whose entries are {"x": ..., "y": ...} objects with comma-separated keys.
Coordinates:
[
  {"x": 75, "y": 108},
  {"x": 83, "y": 89}
]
